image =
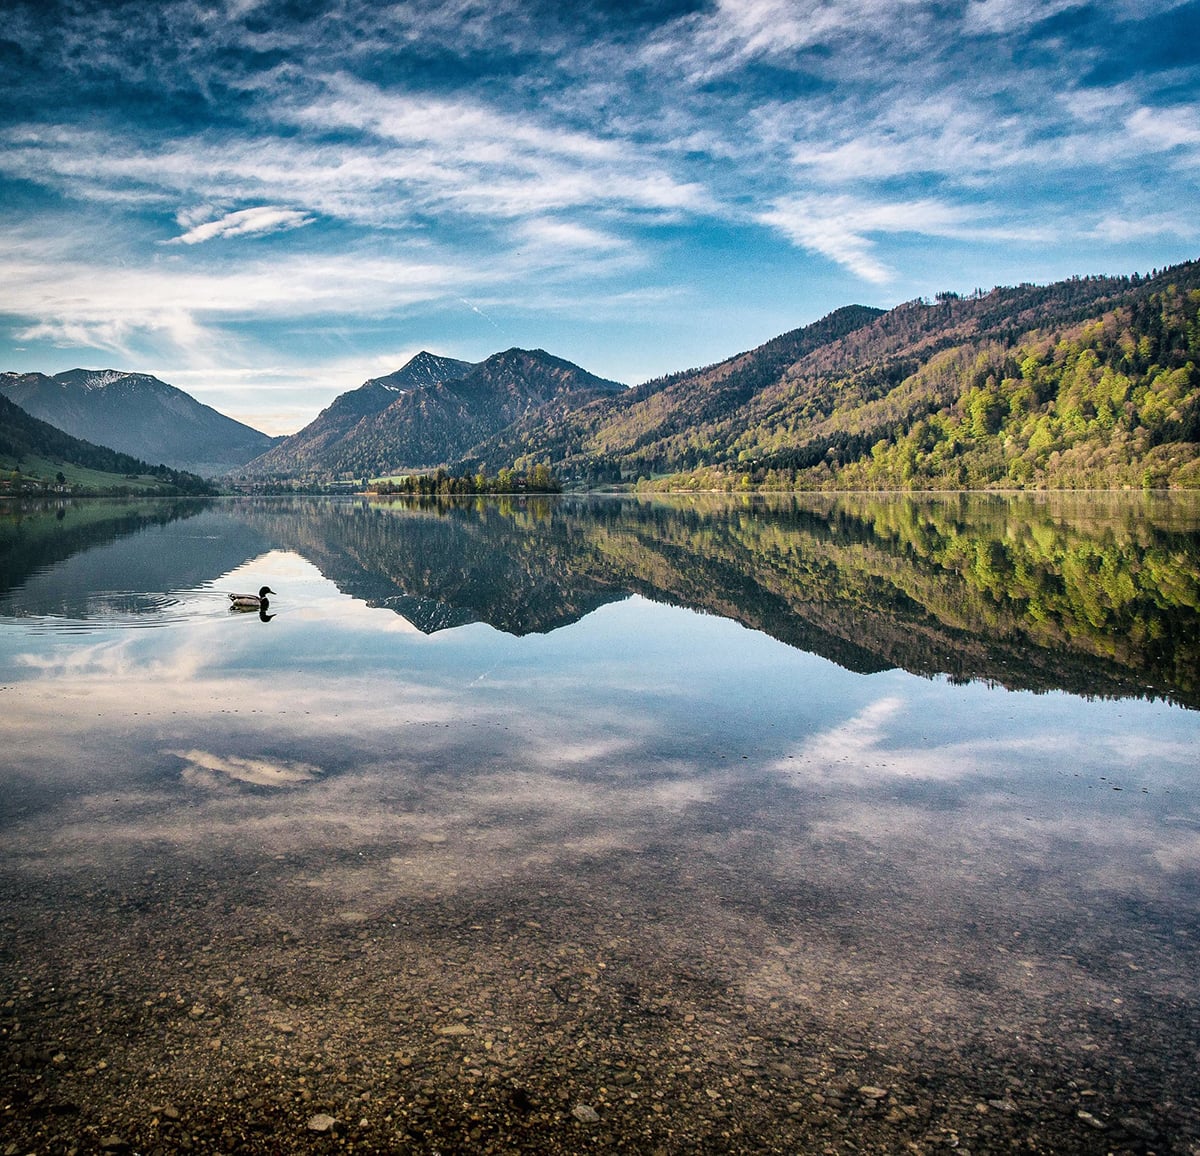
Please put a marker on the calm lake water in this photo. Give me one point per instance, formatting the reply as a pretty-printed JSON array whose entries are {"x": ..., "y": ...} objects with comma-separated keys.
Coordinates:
[{"x": 586, "y": 824}]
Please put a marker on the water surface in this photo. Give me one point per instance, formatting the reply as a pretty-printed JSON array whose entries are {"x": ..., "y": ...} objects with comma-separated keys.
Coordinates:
[{"x": 559, "y": 824}]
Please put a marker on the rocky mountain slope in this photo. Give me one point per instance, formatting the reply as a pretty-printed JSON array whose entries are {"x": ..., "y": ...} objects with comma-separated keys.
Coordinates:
[
  {"x": 424, "y": 425},
  {"x": 329, "y": 433}
]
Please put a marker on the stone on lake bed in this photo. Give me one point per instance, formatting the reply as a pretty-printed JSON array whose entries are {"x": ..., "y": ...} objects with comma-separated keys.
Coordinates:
[
  {"x": 585, "y": 1114},
  {"x": 871, "y": 1092},
  {"x": 321, "y": 1122},
  {"x": 454, "y": 1030}
]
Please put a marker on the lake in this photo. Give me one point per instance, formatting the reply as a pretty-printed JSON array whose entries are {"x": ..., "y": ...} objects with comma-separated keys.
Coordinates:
[{"x": 812, "y": 824}]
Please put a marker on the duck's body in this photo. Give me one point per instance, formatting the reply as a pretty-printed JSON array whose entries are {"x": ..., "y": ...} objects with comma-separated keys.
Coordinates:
[{"x": 257, "y": 601}]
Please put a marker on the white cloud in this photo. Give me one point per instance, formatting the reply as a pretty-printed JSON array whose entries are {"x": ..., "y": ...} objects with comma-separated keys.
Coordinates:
[
  {"x": 724, "y": 38},
  {"x": 258, "y": 221},
  {"x": 548, "y": 233},
  {"x": 944, "y": 134},
  {"x": 106, "y": 305},
  {"x": 765, "y": 27},
  {"x": 459, "y": 155},
  {"x": 459, "y": 123},
  {"x": 1166, "y": 128},
  {"x": 840, "y": 227},
  {"x": 1129, "y": 226},
  {"x": 363, "y": 156},
  {"x": 1008, "y": 16}
]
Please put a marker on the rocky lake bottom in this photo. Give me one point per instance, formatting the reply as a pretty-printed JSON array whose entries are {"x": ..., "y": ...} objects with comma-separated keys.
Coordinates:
[{"x": 737, "y": 984}]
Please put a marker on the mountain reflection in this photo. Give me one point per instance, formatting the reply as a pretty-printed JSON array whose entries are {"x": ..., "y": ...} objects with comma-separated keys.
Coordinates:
[{"x": 1094, "y": 594}]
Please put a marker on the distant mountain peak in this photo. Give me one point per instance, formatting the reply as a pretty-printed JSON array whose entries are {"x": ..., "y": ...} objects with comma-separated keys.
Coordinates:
[
  {"x": 424, "y": 368},
  {"x": 139, "y": 415},
  {"x": 99, "y": 378},
  {"x": 429, "y": 412}
]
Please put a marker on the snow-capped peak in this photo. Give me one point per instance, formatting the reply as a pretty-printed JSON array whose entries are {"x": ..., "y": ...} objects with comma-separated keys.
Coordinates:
[{"x": 102, "y": 377}]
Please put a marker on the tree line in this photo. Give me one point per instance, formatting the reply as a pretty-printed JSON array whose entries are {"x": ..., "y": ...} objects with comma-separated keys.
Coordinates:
[{"x": 538, "y": 479}]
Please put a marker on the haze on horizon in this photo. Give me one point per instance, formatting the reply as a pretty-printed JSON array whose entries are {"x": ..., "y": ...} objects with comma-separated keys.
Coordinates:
[{"x": 265, "y": 202}]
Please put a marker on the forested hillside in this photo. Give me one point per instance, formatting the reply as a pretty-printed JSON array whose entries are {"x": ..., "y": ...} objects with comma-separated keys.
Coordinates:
[
  {"x": 1108, "y": 402},
  {"x": 1091, "y": 382},
  {"x": 36, "y": 455}
]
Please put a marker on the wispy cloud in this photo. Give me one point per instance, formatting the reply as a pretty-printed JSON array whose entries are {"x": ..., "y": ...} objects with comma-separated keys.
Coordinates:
[
  {"x": 1166, "y": 128},
  {"x": 717, "y": 41},
  {"x": 841, "y": 228},
  {"x": 411, "y": 158},
  {"x": 246, "y": 223},
  {"x": 1008, "y": 16},
  {"x": 411, "y": 155},
  {"x": 1135, "y": 226},
  {"x": 105, "y": 306},
  {"x": 457, "y": 154}
]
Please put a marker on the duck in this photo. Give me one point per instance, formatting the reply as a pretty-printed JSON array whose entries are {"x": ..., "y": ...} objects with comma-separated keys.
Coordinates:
[{"x": 258, "y": 601}]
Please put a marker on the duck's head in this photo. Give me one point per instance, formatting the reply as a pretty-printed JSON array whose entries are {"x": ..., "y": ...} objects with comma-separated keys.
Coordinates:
[{"x": 264, "y": 591}]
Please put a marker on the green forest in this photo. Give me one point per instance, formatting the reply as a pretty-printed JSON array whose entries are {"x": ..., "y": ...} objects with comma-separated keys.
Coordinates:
[
  {"x": 536, "y": 480},
  {"x": 1090, "y": 382},
  {"x": 38, "y": 458},
  {"x": 1111, "y": 402}
]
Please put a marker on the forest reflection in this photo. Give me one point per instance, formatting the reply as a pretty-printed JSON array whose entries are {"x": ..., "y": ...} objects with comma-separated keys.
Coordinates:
[{"x": 1090, "y": 593}]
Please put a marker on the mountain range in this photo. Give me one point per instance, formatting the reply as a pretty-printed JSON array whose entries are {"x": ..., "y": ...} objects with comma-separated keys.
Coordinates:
[
  {"x": 1091, "y": 382},
  {"x": 136, "y": 414},
  {"x": 431, "y": 413}
]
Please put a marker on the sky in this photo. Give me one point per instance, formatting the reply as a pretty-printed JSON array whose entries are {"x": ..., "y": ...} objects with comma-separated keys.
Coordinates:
[{"x": 267, "y": 202}]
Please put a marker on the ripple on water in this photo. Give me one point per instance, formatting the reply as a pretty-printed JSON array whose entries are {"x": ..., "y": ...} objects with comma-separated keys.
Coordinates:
[{"x": 102, "y": 610}]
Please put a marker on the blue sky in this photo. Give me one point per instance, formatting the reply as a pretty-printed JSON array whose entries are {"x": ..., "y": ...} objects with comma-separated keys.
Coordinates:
[{"x": 266, "y": 203}]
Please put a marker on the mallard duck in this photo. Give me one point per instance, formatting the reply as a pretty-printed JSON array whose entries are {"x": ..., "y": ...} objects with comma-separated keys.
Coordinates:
[{"x": 258, "y": 601}]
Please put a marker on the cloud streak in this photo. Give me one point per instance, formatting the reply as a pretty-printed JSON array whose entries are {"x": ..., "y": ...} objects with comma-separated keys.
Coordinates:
[{"x": 254, "y": 222}]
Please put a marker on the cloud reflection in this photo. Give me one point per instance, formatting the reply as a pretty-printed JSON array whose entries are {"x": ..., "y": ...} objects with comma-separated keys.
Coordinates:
[
  {"x": 206, "y": 769},
  {"x": 406, "y": 773}
]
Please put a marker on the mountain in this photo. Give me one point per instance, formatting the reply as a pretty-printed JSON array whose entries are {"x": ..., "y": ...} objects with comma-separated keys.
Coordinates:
[
  {"x": 35, "y": 453},
  {"x": 138, "y": 415},
  {"x": 435, "y": 422},
  {"x": 595, "y": 438},
  {"x": 322, "y": 438},
  {"x": 1089, "y": 382}
]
